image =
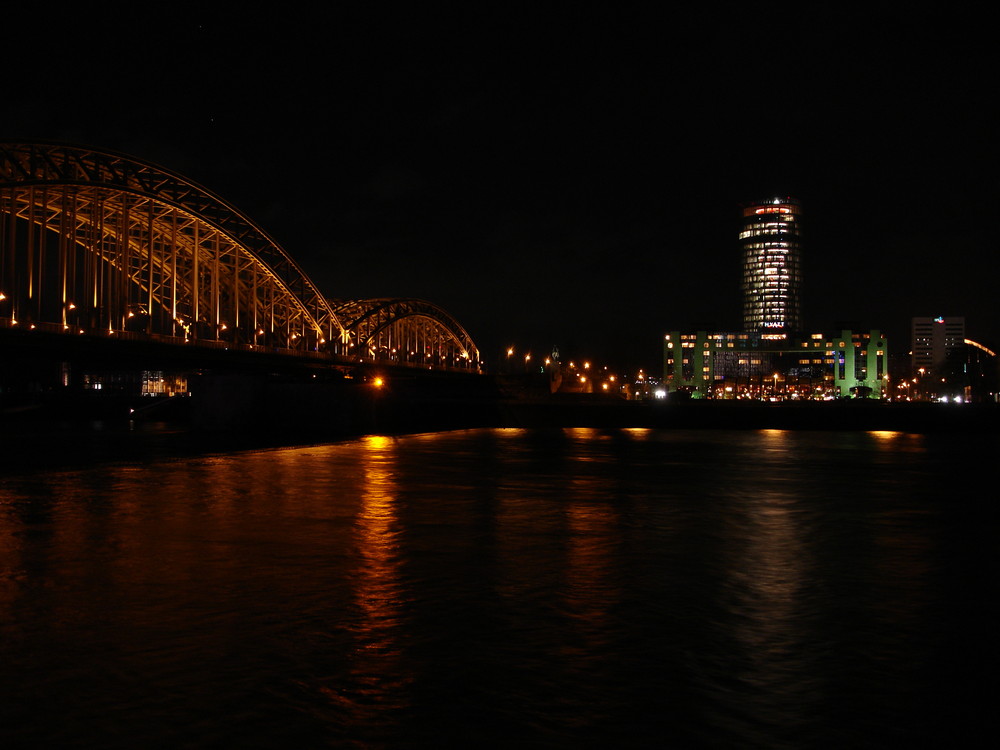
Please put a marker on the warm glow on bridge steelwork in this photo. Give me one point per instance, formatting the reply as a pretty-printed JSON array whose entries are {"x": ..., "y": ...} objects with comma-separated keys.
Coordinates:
[
  {"x": 977, "y": 345},
  {"x": 102, "y": 243}
]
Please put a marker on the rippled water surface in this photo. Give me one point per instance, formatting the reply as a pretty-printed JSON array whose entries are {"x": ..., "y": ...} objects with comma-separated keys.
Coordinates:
[{"x": 506, "y": 588}]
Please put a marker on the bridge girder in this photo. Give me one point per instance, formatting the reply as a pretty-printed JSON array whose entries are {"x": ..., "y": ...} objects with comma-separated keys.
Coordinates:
[
  {"x": 95, "y": 241},
  {"x": 406, "y": 330}
]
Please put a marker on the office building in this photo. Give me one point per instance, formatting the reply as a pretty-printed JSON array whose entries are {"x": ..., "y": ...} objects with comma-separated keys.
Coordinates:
[
  {"x": 746, "y": 365},
  {"x": 932, "y": 339},
  {"x": 772, "y": 273},
  {"x": 771, "y": 358}
]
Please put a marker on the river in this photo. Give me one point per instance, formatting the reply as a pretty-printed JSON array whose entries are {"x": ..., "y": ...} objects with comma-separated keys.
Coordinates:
[{"x": 505, "y": 588}]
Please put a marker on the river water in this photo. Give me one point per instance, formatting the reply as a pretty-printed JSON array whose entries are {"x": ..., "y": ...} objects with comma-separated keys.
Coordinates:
[{"x": 507, "y": 588}]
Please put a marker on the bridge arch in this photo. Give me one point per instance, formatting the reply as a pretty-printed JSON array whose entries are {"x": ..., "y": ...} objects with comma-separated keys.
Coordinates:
[
  {"x": 406, "y": 331},
  {"x": 95, "y": 241},
  {"x": 99, "y": 243}
]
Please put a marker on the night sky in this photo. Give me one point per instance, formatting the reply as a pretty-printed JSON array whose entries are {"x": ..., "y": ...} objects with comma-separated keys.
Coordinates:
[{"x": 568, "y": 176}]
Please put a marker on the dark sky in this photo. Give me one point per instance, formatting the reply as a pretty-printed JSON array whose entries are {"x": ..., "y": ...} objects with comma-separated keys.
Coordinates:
[{"x": 567, "y": 176}]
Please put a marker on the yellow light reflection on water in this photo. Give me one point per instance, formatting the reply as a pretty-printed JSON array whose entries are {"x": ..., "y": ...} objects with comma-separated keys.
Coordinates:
[
  {"x": 376, "y": 536},
  {"x": 377, "y": 590},
  {"x": 767, "y": 590},
  {"x": 590, "y": 591},
  {"x": 885, "y": 434},
  {"x": 640, "y": 433}
]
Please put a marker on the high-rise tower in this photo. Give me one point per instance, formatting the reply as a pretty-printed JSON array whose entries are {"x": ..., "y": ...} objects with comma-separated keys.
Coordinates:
[
  {"x": 933, "y": 339},
  {"x": 772, "y": 275}
]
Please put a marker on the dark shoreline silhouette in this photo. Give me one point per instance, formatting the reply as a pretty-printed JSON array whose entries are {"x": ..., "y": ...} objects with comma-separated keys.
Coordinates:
[
  {"x": 60, "y": 430},
  {"x": 345, "y": 408}
]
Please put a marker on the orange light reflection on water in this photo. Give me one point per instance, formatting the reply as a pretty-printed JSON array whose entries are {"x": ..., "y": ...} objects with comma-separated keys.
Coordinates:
[
  {"x": 591, "y": 590},
  {"x": 376, "y": 628}
]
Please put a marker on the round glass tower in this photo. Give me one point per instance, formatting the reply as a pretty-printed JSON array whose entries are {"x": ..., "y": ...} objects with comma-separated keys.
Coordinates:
[{"x": 772, "y": 272}]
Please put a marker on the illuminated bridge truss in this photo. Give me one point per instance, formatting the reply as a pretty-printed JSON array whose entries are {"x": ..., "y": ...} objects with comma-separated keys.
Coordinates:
[
  {"x": 406, "y": 331},
  {"x": 98, "y": 243}
]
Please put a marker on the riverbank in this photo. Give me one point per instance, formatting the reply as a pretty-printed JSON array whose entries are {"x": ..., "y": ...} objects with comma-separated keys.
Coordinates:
[
  {"x": 42, "y": 437},
  {"x": 249, "y": 411},
  {"x": 736, "y": 415}
]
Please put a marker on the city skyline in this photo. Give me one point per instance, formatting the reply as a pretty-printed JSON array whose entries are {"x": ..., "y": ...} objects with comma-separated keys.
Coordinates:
[{"x": 570, "y": 181}]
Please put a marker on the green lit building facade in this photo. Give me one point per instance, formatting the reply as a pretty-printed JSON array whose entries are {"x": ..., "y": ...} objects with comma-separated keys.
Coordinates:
[
  {"x": 771, "y": 358},
  {"x": 747, "y": 365}
]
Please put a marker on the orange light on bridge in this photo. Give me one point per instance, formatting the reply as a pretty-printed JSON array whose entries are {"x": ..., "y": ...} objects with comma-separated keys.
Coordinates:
[
  {"x": 228, "y": 274},
  {"x": 378, "y": 382}
]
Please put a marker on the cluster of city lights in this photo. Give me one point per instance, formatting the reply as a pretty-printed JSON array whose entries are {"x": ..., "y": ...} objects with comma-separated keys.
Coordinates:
[{"x": 584, "y": 376}]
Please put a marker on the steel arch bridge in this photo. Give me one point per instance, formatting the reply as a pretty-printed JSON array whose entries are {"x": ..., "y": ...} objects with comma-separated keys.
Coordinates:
[{"x": 98, "y": 243}]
